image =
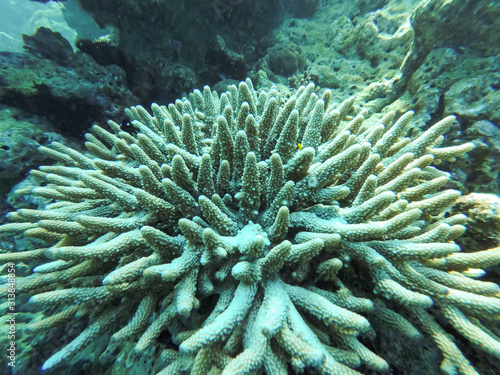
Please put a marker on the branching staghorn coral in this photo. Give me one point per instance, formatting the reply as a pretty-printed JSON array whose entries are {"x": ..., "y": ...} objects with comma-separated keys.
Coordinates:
[{"x": 224, "y": 235}]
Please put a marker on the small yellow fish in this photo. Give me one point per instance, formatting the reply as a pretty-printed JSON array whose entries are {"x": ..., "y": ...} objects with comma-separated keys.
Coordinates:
[{"x": 300, "y": 146}]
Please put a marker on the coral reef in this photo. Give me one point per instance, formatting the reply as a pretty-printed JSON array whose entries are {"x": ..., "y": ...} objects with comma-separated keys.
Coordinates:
[
  {"x": 286, "y": 60},
  {"x": 20, "y": 136},
  {"x": 484, "y": 169},
  {"x": 458, "y": 25},
  {"x": 248, "y": 232},
  {"x": 367, "y": 49},
  {"x": 348, "y": 46},
  {"x": 454, "y": 73},
  {"x": 69, "y": 89},
  {"x": 225, "y": 60},
  {"x": 483, "y": 220},
  {"x": 239, "y": 23},
  {"x": 19, "y": 141},
  {"x": 451, "y": 82}
]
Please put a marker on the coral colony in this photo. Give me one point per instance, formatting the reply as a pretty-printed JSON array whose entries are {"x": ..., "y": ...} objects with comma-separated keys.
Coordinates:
[{"x": 253, "y": 232}]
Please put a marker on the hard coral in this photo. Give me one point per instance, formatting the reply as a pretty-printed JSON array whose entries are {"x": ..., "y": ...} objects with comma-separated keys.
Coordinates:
[{"x": 250, "y": 233}]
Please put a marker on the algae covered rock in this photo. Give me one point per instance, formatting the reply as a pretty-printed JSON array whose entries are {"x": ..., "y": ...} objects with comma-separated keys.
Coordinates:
[
  {"x": 483, "y": 220},
  {"x": 20, "y": 137},
  {"x": 286, "y": 59},
  {"x": 70, "y": 89},
  {"x": 459, "y": 25},
  {"x": 475, "y": 97}
]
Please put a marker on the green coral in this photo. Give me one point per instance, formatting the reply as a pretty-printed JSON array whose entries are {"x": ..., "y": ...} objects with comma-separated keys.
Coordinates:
[{"x": 269, "y": 249}]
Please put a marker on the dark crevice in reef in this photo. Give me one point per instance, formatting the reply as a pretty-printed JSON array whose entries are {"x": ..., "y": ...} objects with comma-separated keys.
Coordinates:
[{"x": 72, "y": 116}]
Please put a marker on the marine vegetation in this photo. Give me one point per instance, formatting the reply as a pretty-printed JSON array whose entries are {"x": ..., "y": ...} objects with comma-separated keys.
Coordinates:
[{"x": 251, "y": 232}]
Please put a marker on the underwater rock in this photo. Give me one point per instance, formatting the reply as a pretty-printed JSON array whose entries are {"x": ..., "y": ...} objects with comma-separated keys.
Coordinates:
[
  {"x": 475, "y": 97},
  {"x": 49, "y": 45},
  {"x": 224, "y": 61},
  {"x": 483, "y": 220},
  {"x": 71, "y": 95},
  {"x": 483, "y": 171},
  {"x": 20, "y": 137},
  {"x": 454, "y": 24},
  {"x": 451, "y": 82},
  {"x": 286, "y": 59},
  {"x": 457, "y": 24}
]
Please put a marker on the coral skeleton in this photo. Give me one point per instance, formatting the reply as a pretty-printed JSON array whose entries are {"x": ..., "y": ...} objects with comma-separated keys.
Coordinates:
[{"x": 253, "y": 232}]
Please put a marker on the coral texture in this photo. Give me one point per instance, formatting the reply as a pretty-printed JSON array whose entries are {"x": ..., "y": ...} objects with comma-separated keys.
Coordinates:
[
  {"x": 483, "y": 220},
  {"x": 250, "y": 232}
]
